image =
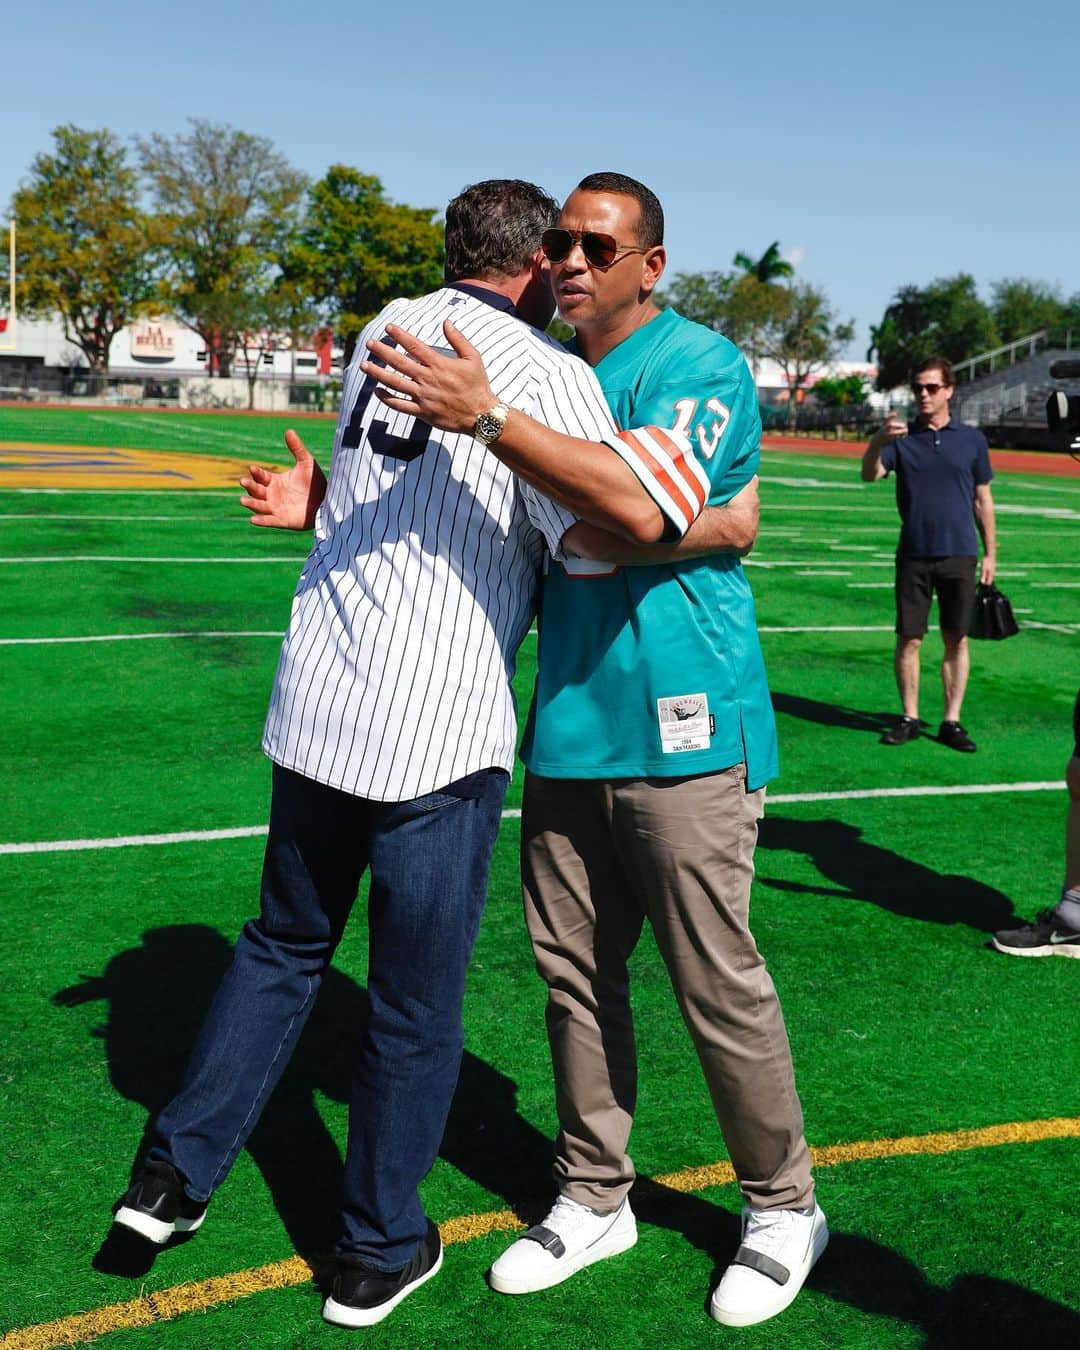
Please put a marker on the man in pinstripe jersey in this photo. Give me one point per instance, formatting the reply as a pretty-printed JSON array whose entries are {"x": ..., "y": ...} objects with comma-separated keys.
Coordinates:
[
  {"x": 391, "y": 730},
  {"x": 649, "y": 744}
]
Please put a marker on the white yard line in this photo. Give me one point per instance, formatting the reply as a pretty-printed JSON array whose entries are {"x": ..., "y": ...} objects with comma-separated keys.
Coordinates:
[
  {"x": 139, "y": 637},
  {"x": 38, "y": 516},
  {"x": 968, "y": 790},
  {"x": 119, "y": 558},
  {"x": 888, "y": 562},
  {"x": 278, "y": 633},
  {"x": 253, "y": 831}
]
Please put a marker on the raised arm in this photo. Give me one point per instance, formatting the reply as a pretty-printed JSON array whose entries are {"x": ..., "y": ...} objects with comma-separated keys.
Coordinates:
[
  {"x": 731, "y": 528},
  {"x": 872, "y": 467},
  {"x": 450, "y": 392}
]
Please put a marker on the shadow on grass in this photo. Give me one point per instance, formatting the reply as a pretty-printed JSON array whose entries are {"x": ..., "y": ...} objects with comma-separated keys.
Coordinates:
[
  {"x": 156, "y": 996},
  {"x": 864, "y": 871},
  {"x": 833, "y": 714},
  {"x": 974, "y": 1310}
]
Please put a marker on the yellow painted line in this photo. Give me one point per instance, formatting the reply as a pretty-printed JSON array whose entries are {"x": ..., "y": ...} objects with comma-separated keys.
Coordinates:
[
  {"x": 95, "y": 466},
  {"x": 200, "y": 1295}
]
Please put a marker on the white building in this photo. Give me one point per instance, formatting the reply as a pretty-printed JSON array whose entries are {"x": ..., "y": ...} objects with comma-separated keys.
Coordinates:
[{"x": 157, "y": 359}]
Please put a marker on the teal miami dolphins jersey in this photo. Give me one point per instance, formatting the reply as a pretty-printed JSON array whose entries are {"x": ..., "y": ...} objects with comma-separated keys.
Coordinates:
[{"x": 657, "y": 671}]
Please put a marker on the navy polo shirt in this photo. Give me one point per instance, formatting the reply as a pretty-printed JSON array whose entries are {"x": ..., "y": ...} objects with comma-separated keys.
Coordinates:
[{"x": 936, "y": 476}]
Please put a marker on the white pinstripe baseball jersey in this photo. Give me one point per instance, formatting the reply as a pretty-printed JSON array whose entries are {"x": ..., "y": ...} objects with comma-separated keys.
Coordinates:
[{"x": 394, "y": 676}]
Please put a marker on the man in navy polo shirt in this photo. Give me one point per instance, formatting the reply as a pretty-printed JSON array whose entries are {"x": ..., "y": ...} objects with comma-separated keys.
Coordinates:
[{"x": 943, "y": 478}]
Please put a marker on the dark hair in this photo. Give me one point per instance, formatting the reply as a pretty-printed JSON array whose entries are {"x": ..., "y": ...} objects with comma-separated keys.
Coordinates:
[
  {"x": 935, "y": 363},
  {"x": 651, "y": 228},
  {"x": 493, "y": 228}
]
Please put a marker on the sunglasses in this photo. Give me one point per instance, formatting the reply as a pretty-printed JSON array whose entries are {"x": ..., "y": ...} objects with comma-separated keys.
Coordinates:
[
  {"x": 600, "y": 250},
  {"x": 925, "y": 388}
]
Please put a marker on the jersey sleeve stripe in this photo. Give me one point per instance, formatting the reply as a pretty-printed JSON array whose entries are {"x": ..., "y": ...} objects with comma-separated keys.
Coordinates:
[
  {"x": 665, "y": 465},
  {"x": 673, "y": 451}
]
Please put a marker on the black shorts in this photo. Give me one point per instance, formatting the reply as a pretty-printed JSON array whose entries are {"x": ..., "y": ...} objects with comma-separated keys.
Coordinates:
[{"x": 917, "y": 579}]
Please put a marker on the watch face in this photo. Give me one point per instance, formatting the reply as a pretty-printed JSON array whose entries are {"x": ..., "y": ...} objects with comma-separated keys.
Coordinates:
[{"x": 489, "y": 426}]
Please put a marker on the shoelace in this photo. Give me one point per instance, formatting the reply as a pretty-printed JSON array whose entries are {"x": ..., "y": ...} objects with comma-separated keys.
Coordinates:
[
  {"x": 767, "y": 1232},
  {"x": 567, "y": 1216}
]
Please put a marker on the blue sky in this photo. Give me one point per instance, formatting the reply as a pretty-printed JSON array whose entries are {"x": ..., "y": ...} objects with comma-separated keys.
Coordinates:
[{"x": 881, "y": 150}]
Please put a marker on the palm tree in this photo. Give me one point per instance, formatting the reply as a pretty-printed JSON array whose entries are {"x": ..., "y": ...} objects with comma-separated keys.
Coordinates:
[
  {"x": 768, "y": 267},
  {"x": 766, "y": 271}
]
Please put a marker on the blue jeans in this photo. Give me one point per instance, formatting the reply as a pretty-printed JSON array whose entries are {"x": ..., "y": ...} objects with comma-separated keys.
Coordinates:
[{"x": 429, "y": 861}]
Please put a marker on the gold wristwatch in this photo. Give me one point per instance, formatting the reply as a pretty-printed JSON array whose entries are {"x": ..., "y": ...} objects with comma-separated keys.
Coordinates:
[{"x": 489, "y": 425}]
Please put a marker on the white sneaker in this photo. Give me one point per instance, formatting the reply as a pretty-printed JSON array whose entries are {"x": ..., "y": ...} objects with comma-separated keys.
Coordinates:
[
  {"x": 778, "y": 1250},
  {"x": 569, "y": 1239}
]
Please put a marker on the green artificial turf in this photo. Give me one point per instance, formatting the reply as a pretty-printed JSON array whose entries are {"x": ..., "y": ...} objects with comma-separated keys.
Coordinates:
[{"x": 874, "y": 913}]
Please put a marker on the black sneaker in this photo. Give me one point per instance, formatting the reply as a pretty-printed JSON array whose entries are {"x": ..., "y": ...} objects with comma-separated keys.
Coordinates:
[
  {"x": 955, "y": 737},
  {"x": 1049, "y": 935},
  {"x": 157, "y": 1205},
  {"x": 363, "y": 1295},
  {"x": 905, "y": 730}
]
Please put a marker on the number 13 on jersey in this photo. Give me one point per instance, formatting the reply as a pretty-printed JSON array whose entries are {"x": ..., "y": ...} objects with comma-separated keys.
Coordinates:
[{"x": 708, "y": 437}]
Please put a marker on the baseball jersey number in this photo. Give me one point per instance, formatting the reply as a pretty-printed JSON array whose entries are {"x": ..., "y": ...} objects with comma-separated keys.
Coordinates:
[
  {"x": 708, "y": 440},
  {"x": 380, "y": 441}
]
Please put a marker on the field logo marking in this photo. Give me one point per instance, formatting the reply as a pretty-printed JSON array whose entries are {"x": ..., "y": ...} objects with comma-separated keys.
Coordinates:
[{"x": 87, "y": 466}]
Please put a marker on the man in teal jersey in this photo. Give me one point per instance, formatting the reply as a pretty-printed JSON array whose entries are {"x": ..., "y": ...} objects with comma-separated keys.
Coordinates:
[{"x": 648, "y": 748}]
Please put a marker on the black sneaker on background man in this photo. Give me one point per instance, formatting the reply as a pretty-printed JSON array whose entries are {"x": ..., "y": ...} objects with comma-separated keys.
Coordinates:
[
  {"x": 1049, "y": 935},
  {"x": 904, "y": 730},
  {"x": 363, "y": 1295},
  {"x": 157, "y": 1206},
  {"x": 955, "y": 737}
]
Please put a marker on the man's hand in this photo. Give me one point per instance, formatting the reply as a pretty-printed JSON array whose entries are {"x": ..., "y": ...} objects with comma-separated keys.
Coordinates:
[
  {"x": 449, "y": 392},
  {"x": 731, "y": 528},
  {"x": 894, "y": 428},
  {"x": 988, "y": 569},
  {"x": 285, "y": 500}
]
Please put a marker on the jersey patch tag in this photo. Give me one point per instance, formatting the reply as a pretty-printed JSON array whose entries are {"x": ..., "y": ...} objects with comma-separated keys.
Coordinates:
[{"x": 685, "y": 723}]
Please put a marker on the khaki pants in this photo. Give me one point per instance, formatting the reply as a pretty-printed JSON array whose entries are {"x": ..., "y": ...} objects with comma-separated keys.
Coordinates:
[{"x": 598, "y": 856}]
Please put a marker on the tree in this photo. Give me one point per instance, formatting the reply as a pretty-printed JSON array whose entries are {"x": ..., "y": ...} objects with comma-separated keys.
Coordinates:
[
  {"x": 946, "y": 318},
  {"x": 740, "y": 307},
  {"x": 83, "y": 241},
  {"x": 1022, "y": 306},
  {"x": 275, "y": 304},
  {"x": 770, "y": 267},
  {"x": 704, "y": 297},
  {"x": 840, "y": 391},
  {"x": 361, "y": 250},
  {"x": 805, "y": 337},
  {"x": 227, "y": 202}
]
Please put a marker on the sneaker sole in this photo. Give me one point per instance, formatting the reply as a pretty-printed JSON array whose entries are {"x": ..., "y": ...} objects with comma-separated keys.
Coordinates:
[
  {"x": 342, "y": 1315},
  {"x": 785, "y": 1294},
  {"x": 154, "y": 1230},
  {"x": 1058, "y": 949},
  {"x": 614, "y": 1241}
]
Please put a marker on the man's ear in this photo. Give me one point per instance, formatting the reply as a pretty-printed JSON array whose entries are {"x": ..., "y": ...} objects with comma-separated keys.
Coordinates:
[{"x": 652, "y": 268}]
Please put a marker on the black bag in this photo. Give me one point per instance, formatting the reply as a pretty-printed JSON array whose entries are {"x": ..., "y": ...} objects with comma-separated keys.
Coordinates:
[{"x": 992, "y": 617}]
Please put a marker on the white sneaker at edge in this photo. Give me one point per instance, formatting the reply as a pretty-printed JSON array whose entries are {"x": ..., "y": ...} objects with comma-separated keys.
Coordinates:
[
  {"x": 778, "y": 1250},
  {"x": 569, "y": 1239}
]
